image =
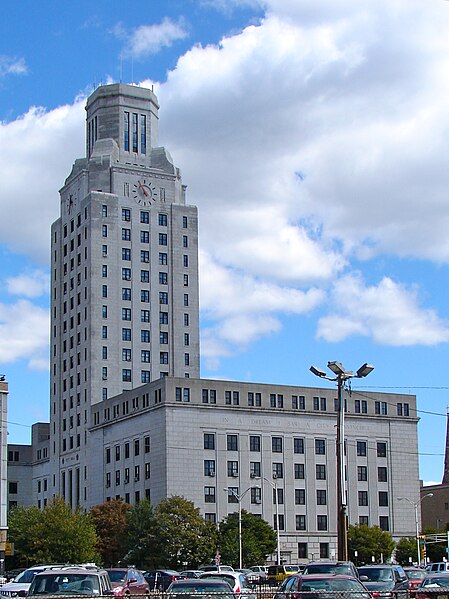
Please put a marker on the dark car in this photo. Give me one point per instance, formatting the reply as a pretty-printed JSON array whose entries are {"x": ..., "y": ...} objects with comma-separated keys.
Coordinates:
[
  {"x": 70, "y": 581},
  {"x": 317, "y": 586},
  {"x": 196, "y": 587},
  {"x": 346, "y": 568},
  {"x": 161, "y": 579},
  {"x": 432, "y": 584},
  {"x": 385, "y": 578},
  {"x": 128, "y": 581}
]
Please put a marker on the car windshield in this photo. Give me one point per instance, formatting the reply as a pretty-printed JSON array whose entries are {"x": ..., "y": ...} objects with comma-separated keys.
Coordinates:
[
  {"x": 117, "y": 575},
  {"x": 415, "y": 574},
  {"x": 436, "y": 581},
  {"x": 26, "y": 576},
  {"x": 328, "y": 569},
  {"x": 377, "y": 574},
  {"x": 333, "y": 584},
  {"x": 64, "y": 584}
]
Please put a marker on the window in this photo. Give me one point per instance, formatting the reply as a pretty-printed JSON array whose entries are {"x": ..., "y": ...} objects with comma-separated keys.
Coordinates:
[
  {"x": 254, "y": 469},
  {"x": 12, "y": 487},
  {"x": 321, "y": 522},
  {"x": 104, "y": 273},
  {"x": 126, "y": 234},
  {"x": 186, "y": 339},
  {"x": 209, "y": 494},
  {"x": 233, "y": 468},
  {"x": 104, "y": 230},
  {"x": 362, "y": 473},
  {"x": 144, "y": 217},
  {"x": 126, "y": 375},
  {"x": 163, "y": 278},
  {"x": 147, "y": 444},
  {"x": 383, "y": 498},
  {"x": 126, "y": 334},
  {"x": 232, "y": 494},
  {"x": 320, "y": 446},
  {"x": 163, "y": 357},
  {"x": 298, "y": 445},
  {"x": 126, "y": 294},
  {"x": 300, "y": 497},
  {"x": 163, "y": 338},
  {"x": 302, "y": 550},
  {"x": 104, "y": 253},
  {"x": 162, "y": 219},
  {"x": 382, "y": 475},
  {"x": 145, "y": 276},
  {"x": 145, "y": 336},
  {"x": 381, "y": 449},
  {"x": 126, "y": 355},
  {"x": 126, "y": 274},
  {"x": 104, "y": 211},
  {"x": 363, "y": 520},
  {"x": 232, "y": 442},
  {"x": 363, "y": 498},
  {"x": 256, "y": 495},
  {"x": 254, "y": 443},
  {"x": 145, "y": 376},
  {"x": 278, "y": 470},
  {"x": 361, "y": 448},
  {"x": 184, "y": 222},
  {"x": 144, "y": 237},
  {"x": 321, "y": 498},
  {"x": 320, "y": 470},
  {"x": 186, "y": 261},
  {"x": 185, "y": 241},
  {"x": 126, "y": 313},
  {"x": 126, "y": 214},
  {"x": 186, "y": 320},
  {"x": 162, "y": 238},
  {"x": 299, "y": 471},
  {"x": 145, "y": 316},
  {"x": 104, "y": 352},
  {"x": 384, "y": 523},
  {"x": 209, "y": 441},
  {"x": 209, "y": 467},
  {"x": 104, "y": 311},
  {"x": 300, "y": 522},
  {"x": 324, "y": 550},
  {"x": 163, "y": 259},
  {"x": 134, "y": 122},
  {"x": 276, "y": 444},
  {"x": 144, "y": 256},
  {"x": 145, "y": 356},
  {"x": 145, "y": 296},
  {"x": 186, "y": 360},
  {"x": 163, "y": 297}
]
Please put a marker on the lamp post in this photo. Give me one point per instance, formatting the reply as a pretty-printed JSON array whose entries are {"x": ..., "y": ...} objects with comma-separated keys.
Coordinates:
[
  {"x": 276, "y": 501},
  {"x": 239, "y": 497},
  {"x": 341, "y": 376},
  {"x": 416, "y": 505}
]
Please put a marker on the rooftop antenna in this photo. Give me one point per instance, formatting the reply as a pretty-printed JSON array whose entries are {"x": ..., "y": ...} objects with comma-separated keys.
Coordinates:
[
  {"x": 121, "y": 67},
  {"x": 132, "y": 70}
]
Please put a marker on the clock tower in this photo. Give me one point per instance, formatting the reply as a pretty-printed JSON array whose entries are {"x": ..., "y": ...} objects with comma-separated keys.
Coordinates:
[{"x": 124, "y": 275}]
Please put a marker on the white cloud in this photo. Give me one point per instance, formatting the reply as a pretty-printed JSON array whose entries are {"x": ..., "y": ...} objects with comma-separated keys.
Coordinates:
[
  {"x": 389, "y": 313},
  {"x": 11, "y": 65},
  {"x": 33, "y": 284},
  {"x": 24, "y": 334},
  {"x": 150, "y": 39}
]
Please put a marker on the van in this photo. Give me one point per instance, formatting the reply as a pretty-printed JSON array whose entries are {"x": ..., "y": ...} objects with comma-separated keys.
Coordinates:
[
  {"x": 439, "y": 567},
  {"x": 276, "y": 574}
]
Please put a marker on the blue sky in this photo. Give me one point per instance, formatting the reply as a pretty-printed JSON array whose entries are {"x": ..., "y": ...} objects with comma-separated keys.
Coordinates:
[{"x": 313, "y": 139}]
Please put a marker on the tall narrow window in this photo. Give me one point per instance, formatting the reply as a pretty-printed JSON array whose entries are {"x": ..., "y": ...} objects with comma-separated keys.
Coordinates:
[
  {"x": 143, "y": 134},
  {"x": 135, "y": 145},
  {"x": 126, "y": 131}
]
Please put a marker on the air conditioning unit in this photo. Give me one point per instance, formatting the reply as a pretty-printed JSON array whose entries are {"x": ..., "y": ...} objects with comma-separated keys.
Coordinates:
[
  {"x": 258, "y": 501},
  {"x": 234, "y": 474},
  {"x": 211, "y": 474},
  {"x": 252, "y": 475}
]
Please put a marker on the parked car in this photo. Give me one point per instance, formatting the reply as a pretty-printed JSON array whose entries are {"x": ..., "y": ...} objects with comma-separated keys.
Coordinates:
[
  {"x": 346, "y": 568},
  {"x": 127, "y": 581},
  {"x": 415, "y": 577},
  {"x": 432, "y": 584},
  {"x": 277, "y": 574},
  {"x": 384, "y": 578},
  {"x": 237, "y": 581},
  {"x": 438, "y": 567},
  {"x": 317, "y": 586},
  {"x": 259, "y": 574},
  {"x": 161, "y": 579},
  {"x": 70, "y": 581},
  {"x": 216, "y": 567},
  {"x": 22, "y": 581},
  {"x": 195, "y": 587}
]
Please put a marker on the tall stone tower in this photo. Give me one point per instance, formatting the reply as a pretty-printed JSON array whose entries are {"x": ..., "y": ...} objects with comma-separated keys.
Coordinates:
[{"x": 124, "y": 298}]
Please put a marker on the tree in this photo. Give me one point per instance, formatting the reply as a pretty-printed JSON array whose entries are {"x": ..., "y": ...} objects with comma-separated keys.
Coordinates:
[
  {"x": 406, "y": 549},
  {"x": 258, "y": 539},
  {"x": 369, "y": 541},
  {"x": 55, "y": 534},
  {"x": 110, "y": 520},
  {"x": 140, "y": 535},
  {"x": 182, "y": 538},
  {"x": 435, "y": 552}
]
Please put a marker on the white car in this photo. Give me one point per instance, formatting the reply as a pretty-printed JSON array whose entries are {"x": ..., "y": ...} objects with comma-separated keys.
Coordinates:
[
  {"x": 238, "y": 582},
  {"x": 21, "y": 582}
]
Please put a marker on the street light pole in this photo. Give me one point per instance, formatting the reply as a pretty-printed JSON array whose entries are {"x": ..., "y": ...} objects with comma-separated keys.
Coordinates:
[
  {"x": 416, "y": 505},
  {"x": 341, "y": 376},
  {"x": 239, "y": 498},
  {"x": 276, "y": 502}
]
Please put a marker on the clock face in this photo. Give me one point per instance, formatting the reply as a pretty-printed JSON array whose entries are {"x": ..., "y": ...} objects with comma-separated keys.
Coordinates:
[{"x": 144, "y": 192}]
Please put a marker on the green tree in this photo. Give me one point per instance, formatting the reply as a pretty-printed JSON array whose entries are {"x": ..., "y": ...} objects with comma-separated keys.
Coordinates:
[
  {"x": 55, "y": 534},
  {"x": 182, "y": 538},
  {"x": 406, "y": 549},
  {"x": 435, "y": 552},
  {"x": 258, "y": 539},
  {"x": 111, "y": 520},
  {"x": 140, "y": 535},
  {"x": 369, "y": 541}
]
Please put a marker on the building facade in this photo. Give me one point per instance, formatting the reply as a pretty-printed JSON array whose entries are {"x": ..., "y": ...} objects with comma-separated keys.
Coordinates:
[{"x": 129, "y": 415}]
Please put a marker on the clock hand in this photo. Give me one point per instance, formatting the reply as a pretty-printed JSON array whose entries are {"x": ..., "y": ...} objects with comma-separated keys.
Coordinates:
[{"x": 142, "y": 187}]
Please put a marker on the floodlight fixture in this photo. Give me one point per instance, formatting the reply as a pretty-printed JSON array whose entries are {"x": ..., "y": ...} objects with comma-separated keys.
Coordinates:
[
  {"x": 364, "y": 370},
  {"x": 337, "y": 368},
  {"x": 317, "y": 371}
]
